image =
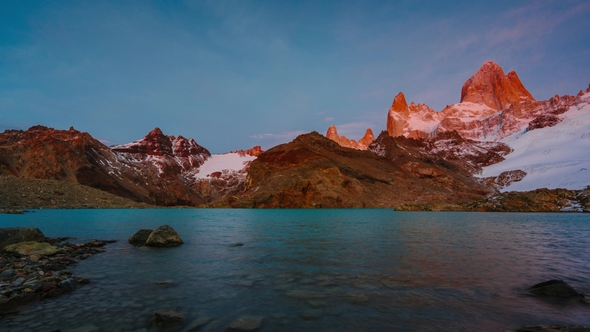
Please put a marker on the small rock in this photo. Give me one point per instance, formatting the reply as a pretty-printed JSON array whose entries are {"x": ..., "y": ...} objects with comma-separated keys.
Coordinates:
[
  {"x": 164, "y": 236},
  {"x": 167, "y": 319},
  {"x": 245, "y": 324},
  {"x": 34, "y": 258},
  {"x": 140, "y": 238},
  {"x": 18, "y": 281},
  {"x": 7, "y": 274},
  {"x": 47, "y": 287},
  {"x": 555, "y": 288},
  {"x": 69, "y": 284}
]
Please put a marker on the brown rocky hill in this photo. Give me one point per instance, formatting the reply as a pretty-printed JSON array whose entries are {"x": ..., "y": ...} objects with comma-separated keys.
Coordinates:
[
  {"x": 313, "y": 171},
  {"x": 153, "y": 170}
]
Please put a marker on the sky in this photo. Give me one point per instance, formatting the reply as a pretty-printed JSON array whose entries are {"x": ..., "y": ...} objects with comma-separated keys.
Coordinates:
[{"x": 235, "y": 74}]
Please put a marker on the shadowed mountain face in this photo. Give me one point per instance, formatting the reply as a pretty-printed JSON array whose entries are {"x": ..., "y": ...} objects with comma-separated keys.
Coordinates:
[
  {"x": 154, "y": 170},
  {"x": 313, "y": 171}
]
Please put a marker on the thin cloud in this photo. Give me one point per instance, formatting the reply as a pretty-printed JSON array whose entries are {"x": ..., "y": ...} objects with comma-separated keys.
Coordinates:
[{"x": 284, "y": 135}]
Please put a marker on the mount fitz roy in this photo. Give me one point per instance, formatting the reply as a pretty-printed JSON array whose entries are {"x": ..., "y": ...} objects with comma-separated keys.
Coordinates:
[{"x": 469, "y": 156}]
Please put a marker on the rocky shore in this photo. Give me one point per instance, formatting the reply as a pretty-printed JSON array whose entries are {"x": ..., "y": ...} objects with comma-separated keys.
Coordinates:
[
  {"x": 18, "y": 193},
  {"x": 539, "y": 200},
  {"x": 31, "y": 271}
]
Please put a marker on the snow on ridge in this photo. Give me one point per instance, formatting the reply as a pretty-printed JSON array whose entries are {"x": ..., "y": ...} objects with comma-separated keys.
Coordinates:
[
  {"x": 552, "y": 157},
  {"x": 220, "y": 162}
]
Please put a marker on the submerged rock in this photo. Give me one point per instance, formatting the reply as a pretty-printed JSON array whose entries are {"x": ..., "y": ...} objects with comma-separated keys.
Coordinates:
[
  {"x": 164, "y": 236},
  {"x": 167, "y": 319},
  {"x": 31, "y": 248},
  {"x": 140, "y": 238},
  {"x": 554, "y": 328},
  {"x": 555, "y": 288},
  {"x": 14, "y": 235},
  {"x": 245, "y": 324}
]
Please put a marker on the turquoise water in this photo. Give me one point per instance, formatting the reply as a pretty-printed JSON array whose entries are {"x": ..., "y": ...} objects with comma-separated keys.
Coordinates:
[{"x": 318, "y": 270}]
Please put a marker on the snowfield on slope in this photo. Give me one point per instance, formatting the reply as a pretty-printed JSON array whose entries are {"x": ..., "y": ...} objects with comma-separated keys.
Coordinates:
[
  {"x": 220, "y": 162},
  {"x": 553, "y": 157}
]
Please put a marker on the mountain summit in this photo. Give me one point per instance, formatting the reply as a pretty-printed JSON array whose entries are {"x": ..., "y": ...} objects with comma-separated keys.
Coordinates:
[{"x": 490, "y": 86}]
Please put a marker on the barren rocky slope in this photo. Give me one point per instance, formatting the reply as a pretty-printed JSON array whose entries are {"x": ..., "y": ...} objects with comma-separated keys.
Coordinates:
[
  {"x": 313, "y": 171},
  {"x": 36, "y": 193}
]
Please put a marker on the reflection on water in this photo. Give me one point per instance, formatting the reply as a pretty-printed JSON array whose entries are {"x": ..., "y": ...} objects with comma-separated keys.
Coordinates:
[{"x": 337, "y": 270}]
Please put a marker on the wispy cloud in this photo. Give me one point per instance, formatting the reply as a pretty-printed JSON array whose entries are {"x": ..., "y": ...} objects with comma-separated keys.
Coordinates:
[
  {"x": 371, "y": 94},
  {"x": 285, "y": 135}
]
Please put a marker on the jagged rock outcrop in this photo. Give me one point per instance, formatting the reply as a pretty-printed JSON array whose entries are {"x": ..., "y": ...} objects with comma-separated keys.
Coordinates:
[
  {"x": 491, "y": 87},
  {"x": 166, "y": 152},
  {"x": 254, "y": 152},
  {"x": 414, "y": 121},
  {"x": 313, "y": 171},
  {"x": 362, "y": 144}
]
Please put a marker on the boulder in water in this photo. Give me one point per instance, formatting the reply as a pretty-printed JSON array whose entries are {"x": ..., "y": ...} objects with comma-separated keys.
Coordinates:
[
  {"x": 555, "y": 288},
  {"x": 164, "y": 236},
  {"x": 140, "y": 238}
]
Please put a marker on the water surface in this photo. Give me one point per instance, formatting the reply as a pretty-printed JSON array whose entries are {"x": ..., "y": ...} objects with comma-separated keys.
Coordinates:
[{"x": 318, "y": 270}]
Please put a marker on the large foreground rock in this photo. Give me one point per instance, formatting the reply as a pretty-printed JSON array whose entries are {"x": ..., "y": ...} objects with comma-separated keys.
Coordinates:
[
  {"x": 164, "y": 236},
  {"x": 555, "y": 288},
  {"x": 31, "y": 248},
  {"x": 14, "y": 235}
]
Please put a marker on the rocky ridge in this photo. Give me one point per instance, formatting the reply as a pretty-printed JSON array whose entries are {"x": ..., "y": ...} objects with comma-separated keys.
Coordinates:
[
  {"x": 362, "y": 144},
  {"x": 313, "y": 171},
  {"x": 158, "y": 169}
]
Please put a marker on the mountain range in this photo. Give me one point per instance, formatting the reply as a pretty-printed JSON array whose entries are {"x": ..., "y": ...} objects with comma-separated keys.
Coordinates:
[{"x": 498, "y": 138}]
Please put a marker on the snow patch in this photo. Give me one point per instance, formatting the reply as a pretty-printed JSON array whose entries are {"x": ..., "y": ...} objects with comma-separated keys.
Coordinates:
[
  {"x": 552, "y": 157},
  {"x": 220, "y": 162}
]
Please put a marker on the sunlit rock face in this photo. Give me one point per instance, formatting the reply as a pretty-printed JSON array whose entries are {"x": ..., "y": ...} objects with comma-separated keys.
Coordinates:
[
  {"x": 493, "y": 106},
  {"x": 362, "y": 144},
  {"x": 491, "y": 87}
]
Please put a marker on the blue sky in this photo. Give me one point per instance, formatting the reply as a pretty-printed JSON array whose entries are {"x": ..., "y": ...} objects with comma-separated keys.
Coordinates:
[{"x": 234, "y": 74}]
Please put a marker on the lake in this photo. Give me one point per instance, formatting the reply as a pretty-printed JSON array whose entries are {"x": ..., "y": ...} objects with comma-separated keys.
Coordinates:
[{"x": 317, "y": 270}]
